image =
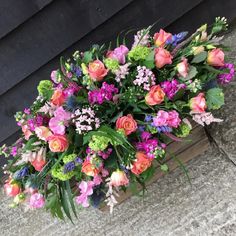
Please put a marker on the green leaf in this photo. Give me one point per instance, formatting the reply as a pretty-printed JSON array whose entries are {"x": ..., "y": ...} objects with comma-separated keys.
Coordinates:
[
  {"x": 149, "y": 61},
  {"x": 88, "y": 56},
  {"x": 199, "y": 57},
  {"x": 192, "y": 73},
  {"x": 164, "y": 167},
  {"x": 214, "y": 98},
  {"x": 147, "y": 174}
]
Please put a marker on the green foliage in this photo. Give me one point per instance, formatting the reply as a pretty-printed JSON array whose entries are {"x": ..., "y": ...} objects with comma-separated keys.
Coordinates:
[
  {"x": 200, "y": 57},
  {"x": 88, "y": 57},
  {"x": 139, "y": 53},
  {"x": 45, "y": 89},
  {"x": 149, "y": 61},
  {"x": 164, "y": 167},
  {"x": 214, "y": 98}
]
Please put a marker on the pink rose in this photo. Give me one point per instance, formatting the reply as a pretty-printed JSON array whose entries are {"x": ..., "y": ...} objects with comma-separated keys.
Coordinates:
[
  {"x": 216, "y": 57},
  {"x": 11, "y": 189},
  {"x": 58, "y": 97},
  {"x": 161, "y": 37},
  {"x": 119, "y": 178},
  {"x": 58, "y": 143},
  {"x": 198, "y": 103},
  {"x": 183, "y": 68},
  {"x": 173, "y": 119},
  {"x": 26, "y": 131},
  {"x": 42, "y": 132},
  {"x": 97, "y": 70},
  {"x": 119, "y": 54},
  {"x": 126, "y": 123},
  {"x": 155, "y": 95},
  {"x": 162, "y": 57},
  {"x": 36, "y": 200}
]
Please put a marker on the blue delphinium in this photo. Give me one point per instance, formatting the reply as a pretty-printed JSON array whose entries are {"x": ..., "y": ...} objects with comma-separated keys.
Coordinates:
[
  {"x": 78, "y": 160},
  {"x": 21, "y": 173},
  {"x": 71, "y": 103},
  {"x": 164, "y": 129},
  {"x": 176, "y": 38},
  {"x": 97, "y": 197},
  {"x": 76, "y": 70}
]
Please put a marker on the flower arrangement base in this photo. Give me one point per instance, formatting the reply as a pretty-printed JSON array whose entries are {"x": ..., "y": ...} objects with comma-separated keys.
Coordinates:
[{"x": 179, "y": 154}]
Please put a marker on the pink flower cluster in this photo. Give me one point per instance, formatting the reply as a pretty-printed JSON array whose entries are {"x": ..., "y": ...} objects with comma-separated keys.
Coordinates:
[
  {"x": 105, "y": 93},
  {"x": 36, "y": 200},
  {"x": 204, "y": 118},
  {"x": 145, "y": 77},
  {"x": 60, "y": 121},
  {"x": 165, "y": 118}
]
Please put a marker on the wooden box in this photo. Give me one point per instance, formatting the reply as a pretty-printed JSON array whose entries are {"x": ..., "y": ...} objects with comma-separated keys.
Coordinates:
[{"x": 194, "y": 145}]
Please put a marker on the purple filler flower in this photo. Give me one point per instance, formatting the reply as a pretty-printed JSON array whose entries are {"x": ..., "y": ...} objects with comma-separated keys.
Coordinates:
[{"x": 225, "y": 78}]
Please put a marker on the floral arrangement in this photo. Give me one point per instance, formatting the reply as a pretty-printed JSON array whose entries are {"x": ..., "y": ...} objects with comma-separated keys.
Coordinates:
[{"x": 106, "y": 116}]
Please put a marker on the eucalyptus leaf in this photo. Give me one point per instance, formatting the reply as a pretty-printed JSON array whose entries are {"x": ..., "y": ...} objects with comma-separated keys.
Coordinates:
[
  {"x": 214, "y": 98},
  {"x": 200, "y": 57}
]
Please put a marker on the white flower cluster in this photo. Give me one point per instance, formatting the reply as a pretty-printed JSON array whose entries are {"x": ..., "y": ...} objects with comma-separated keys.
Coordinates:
[
  {"x": 145, "y": 77},
  {"x": 85, "y": 120},
  {"x": 122, "y": 72},
  {"x": 142, "y": 38}
]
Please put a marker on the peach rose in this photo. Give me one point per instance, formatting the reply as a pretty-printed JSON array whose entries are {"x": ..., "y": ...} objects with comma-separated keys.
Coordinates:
[
  {"x": 43, "y": 132},
  {"x": 161, "y": 37},
  {"x": 119, "y": 178},
  {"x": 155, "y": 95},
  {"x": 58, "y": 143},
  {"x": 11, "y": 189},
  {"x": 198, "y": 103},
  {"x": 183, "y": 68},
  {"x": 58, "y": 97},
  {"x": 89, "y": 169},
  {"x": 141, "y": 164},
  {"x": 162, "y": 57},
  {"x": 126, "y": 123},
  {"x": 38, "y": 164},
  {"x": 97, "y": 70},
  {"x": 216, "y": 57}
]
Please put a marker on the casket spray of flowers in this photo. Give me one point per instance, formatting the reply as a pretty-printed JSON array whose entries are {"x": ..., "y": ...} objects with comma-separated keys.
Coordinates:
[{"x": 105, "y": 117}]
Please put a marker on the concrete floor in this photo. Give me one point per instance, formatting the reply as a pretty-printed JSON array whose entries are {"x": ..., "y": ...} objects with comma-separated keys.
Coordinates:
[{"x": 172, "y": 206}]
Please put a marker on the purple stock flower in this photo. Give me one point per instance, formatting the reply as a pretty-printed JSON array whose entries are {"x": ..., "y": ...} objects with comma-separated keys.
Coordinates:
[
  {"x": 105, "y": 93},
  {"x": 225, "y": 78},
  {"x": 171, "y": 87}
]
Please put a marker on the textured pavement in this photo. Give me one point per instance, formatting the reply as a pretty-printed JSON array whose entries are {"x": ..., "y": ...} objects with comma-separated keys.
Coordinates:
[{"x": 171, "y": 207}]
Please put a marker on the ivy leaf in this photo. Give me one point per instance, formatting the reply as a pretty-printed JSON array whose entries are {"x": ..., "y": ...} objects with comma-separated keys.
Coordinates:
[
  {"x": 214, "y": 98},
  {"x": 88, "y": 56},
  {"x": 192, "y": 73},
  {"x": 164, "y": 167},
  {"x": 149, "y": 61},
  {"x": 199, "y": 57}
]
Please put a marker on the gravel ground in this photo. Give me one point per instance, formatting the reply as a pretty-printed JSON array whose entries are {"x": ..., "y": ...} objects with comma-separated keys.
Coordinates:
[{"x": 172, "y": 206}]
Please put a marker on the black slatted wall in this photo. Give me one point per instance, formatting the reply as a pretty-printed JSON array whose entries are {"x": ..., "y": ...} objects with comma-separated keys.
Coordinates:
[{"x": 35, "y": 33}]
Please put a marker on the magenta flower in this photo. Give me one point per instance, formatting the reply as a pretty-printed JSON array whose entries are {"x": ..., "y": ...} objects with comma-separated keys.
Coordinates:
[
  {"x": 226, "y": 77},
  {"x": 60, "y": 120},
  {"x": 171, "y": 88},
  {"x": 86, "y": 189}
]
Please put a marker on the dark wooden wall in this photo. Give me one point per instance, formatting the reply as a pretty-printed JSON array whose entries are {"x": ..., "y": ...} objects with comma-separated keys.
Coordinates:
[{"x": 35, "y": 33}]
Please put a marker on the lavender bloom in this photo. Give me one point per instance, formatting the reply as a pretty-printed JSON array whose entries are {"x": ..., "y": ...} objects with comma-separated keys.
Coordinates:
[
  {"x": 172, "y": 87},
  {"x": 145, "y": 77},
  {"x": 76, "y": 70},
  {"x": 78, "y": 160},
  {"x": 226, "y": 77},
  {"x": 148, "y": 118},
  {"x": 164, "y": 129},
  {"x": 122, "y": 72},
  {"x": 69, "y": 166}
]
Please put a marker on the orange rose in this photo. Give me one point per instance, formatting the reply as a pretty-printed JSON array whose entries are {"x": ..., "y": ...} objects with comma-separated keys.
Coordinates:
[
  {"x": 141, "y": 164},
  {"x": 58, "y": 143},
  {"x": 97, "y": 70},
  {"x": 162, "y": 57},
  {"x": 161, "y": 37},
  {"x": 127, "y": 123},
  {"x": 89, "y": 169},
  {"x": 119, "y": 178},
  {"x": 198, "y": 103},
  {"x": 216, "y": 57},
  {"x": 58, "y": 97},
  {"x": 155, "y": 96},
  {"x": 38, "y": 164}
]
